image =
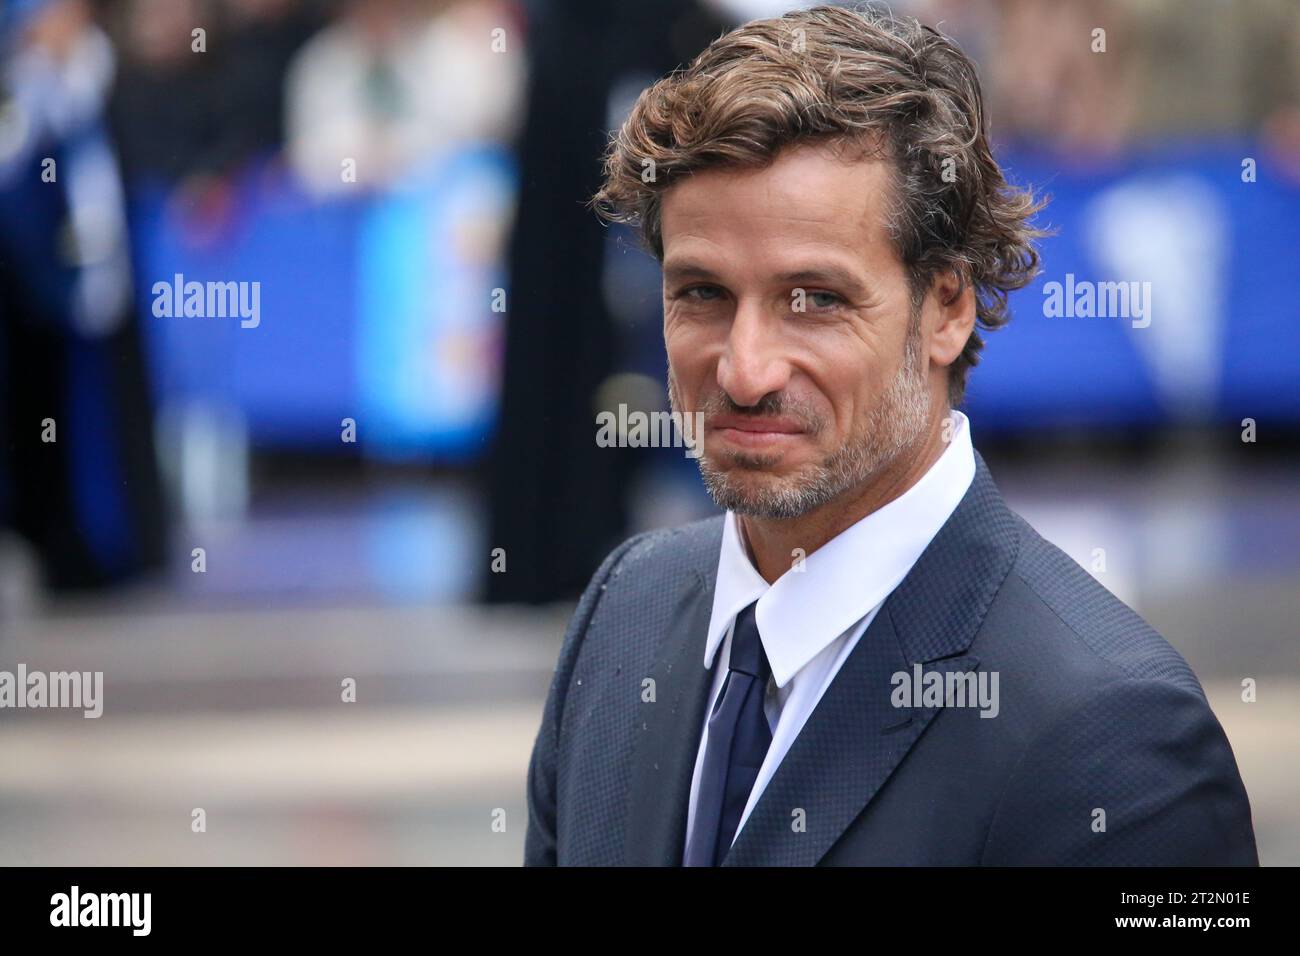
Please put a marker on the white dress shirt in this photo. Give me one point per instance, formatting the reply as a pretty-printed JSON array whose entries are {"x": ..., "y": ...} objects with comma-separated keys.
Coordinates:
[{"x": 809, "y": 621}]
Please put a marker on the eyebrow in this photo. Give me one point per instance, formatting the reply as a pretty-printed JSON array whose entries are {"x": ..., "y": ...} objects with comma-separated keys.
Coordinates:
[{"x": 824, "y": 275}]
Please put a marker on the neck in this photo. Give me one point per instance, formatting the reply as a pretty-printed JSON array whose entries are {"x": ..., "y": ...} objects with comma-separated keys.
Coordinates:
[{"x": 774, "y": 543}]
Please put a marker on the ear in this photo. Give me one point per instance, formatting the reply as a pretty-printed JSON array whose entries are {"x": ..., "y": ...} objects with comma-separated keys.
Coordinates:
[{"x": 954, "y": 310}]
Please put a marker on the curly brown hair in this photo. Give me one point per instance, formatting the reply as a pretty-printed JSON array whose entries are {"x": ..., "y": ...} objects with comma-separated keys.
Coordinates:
[{"x": 902, "y": 90}]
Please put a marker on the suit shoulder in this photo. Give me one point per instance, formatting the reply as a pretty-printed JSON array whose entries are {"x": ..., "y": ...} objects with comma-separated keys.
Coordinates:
[
  {"x": 670, "y": 552},
  {"x": 1095, "y": 627}
]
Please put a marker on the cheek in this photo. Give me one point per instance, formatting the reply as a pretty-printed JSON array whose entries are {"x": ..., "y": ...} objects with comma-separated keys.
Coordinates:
[
  {"x": 846, "y": 377},
  {"x": 685, "y": 376},
  {"x": 691, "y": 349}
]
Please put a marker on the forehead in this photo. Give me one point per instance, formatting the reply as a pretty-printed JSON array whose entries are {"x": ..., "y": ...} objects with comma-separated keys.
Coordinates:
[{"x": 810, "y": 199}]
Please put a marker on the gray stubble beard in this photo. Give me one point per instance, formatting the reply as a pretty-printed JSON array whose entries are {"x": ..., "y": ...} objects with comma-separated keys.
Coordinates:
[{"x": 895, "y": 425}]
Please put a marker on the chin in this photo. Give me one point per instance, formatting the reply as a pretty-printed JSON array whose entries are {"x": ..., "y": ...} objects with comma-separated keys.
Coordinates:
[
  {"x": 759, "y": 493},
  {"x": 781, "y": 465}
]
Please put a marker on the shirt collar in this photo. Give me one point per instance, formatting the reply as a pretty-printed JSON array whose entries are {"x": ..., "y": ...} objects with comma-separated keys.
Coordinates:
[{"x": 804, "y": 611}]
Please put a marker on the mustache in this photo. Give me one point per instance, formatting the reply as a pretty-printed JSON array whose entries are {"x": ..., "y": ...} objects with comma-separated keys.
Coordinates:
[{"x": 771, "y": 405}]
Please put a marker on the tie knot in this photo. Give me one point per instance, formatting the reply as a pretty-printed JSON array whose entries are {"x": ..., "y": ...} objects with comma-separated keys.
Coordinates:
[{"x": 747, "y": 654}]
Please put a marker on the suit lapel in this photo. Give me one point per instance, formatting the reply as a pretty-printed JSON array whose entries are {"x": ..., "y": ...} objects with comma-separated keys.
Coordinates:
[
  {"x": 855, "y": 737},
  {"x": 667, "y": 741}
]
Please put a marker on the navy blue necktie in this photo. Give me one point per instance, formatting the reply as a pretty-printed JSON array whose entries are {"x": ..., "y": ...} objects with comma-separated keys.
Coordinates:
[{"x": 738, "y": 740}]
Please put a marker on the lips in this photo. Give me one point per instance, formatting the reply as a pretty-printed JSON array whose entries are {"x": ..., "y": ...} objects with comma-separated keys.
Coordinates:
[
  {"x": 756, "y": 425},
  {"x": 754, "y": 432}
]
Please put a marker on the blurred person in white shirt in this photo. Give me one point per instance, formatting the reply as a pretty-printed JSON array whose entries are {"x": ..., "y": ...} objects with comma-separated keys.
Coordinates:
[{"x": 394, "y": 83}]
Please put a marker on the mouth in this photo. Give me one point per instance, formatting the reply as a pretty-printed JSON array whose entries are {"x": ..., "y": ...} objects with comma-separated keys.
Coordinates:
[{"x": 756, "y": 432}]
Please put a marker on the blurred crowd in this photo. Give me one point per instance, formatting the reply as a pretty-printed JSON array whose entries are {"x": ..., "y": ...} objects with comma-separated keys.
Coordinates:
[
  {"x": 1090, "y": 77},
  {"x": 388, "y": 82},
  {"x": 339, "y": 99},
  {"x": 384, "y": 83},
  {"x": 104, "y": 102},
  {"x": 194, "y": 92}
]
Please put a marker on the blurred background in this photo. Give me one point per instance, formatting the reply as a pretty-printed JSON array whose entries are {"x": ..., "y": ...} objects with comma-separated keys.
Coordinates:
[{"x": 386, "y": 472}]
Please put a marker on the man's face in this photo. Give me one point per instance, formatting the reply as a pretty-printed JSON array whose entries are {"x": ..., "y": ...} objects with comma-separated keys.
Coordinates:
[{"x": 800, "y": 406}]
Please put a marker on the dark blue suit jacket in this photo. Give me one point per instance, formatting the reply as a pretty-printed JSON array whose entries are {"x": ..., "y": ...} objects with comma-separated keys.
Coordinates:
[{"x": 1096, "y": 713}]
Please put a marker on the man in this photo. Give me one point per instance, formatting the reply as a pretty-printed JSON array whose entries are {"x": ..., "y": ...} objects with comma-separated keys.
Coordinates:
[{"x": 868, "y": 659}]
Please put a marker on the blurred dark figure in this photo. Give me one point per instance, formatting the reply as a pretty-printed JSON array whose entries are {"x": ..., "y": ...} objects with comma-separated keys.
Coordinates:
[
  {"x": 557, "y": 500},
  {"x": 192, "y": 113},
  {"x": 78, "y": 475},
  {"x": 164, "y": 102},
  {"x": 195, "y": 106},
  {"x": 264, "y": 37}
]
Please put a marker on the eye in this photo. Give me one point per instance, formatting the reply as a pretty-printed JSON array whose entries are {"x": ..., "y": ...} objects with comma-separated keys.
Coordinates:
[
  {"x": 702, "y": 293},
  {"x": 820, "y": 300}
]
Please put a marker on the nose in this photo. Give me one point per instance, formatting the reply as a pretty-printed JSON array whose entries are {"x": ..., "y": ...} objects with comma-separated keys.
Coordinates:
[{"x": 752, "y": 364}]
